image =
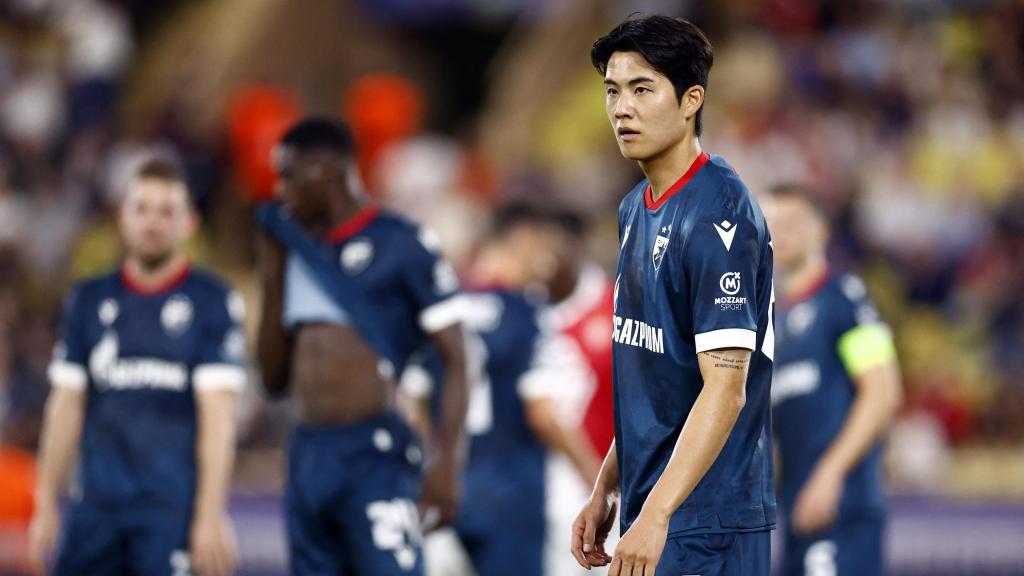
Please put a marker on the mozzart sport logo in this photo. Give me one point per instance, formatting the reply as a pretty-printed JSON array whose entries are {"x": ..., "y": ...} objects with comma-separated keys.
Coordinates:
[{"x": 730, "y": 285}]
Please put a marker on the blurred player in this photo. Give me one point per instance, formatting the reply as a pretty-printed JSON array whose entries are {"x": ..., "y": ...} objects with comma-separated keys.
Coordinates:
[
  {"x": 836, "y": 390},
  {"x": 579, "y": 360},
  {"x": 514, "y": 418},
  {"x": 353, "y": 476},
  {"x": 144, "y": 382},
  {"x": 693, "y": 338}
]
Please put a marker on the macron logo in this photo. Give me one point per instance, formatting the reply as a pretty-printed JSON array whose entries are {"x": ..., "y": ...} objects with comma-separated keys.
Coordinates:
[{"x": 726, "y": 231}]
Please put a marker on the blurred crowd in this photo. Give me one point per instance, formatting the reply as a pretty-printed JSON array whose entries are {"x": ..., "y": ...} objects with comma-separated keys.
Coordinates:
[{"x": 907, "y": 118}]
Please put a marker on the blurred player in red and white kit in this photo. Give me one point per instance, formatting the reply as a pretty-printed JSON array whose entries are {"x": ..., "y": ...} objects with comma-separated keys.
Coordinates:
[{"x": 579, "y": 313}]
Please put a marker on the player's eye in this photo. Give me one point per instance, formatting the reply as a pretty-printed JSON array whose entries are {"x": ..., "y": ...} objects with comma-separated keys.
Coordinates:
[
  {"x": 611, "y": 91},
  {"x": 641, "y": 90}
]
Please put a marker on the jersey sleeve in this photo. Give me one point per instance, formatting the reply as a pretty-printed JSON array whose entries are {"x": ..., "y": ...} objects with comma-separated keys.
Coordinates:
[
  {"x": 432, "y": 283},
  {"x": 864, "y": 340},
  {"x": 70, "y": 354},
  {"x": 222, "y": 349},
  {"x": 722, "y": 257},
  {"x": 547, "y": 367}
]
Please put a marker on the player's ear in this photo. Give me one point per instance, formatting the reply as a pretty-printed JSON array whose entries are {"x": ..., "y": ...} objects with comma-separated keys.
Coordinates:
[{"x": 692, "y": 100}]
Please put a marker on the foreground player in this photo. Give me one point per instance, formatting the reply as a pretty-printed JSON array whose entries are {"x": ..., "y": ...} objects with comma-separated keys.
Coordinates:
[
  {"x": 836, "y": 390},
  {"x": 144, "y": 383},
  {"x": 353, "y": 475},
  {"x": 693, "y": 339}
]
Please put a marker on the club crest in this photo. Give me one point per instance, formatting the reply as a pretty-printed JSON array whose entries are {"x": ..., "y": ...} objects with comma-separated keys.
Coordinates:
[{"x": 660, "y": 246}]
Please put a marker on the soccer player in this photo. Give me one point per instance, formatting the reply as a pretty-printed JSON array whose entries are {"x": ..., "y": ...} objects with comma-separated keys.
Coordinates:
[
  {"x": 354, "y": 464},
  {"x": 693, "y": 341},
  {"x": 144, "y": 379},
  {"x": 580, "y": 362},
  {"x": 836, "y": 390},
  {"x": 513, "y": 418}
]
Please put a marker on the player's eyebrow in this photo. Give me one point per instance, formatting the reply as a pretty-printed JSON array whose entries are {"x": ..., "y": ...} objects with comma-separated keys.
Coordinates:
[{"x": 633, "y": 82}]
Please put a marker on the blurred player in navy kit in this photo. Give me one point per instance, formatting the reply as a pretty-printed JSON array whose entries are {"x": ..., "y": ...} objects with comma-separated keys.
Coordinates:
[
  {"x": 513, "y": 419},
  {"x": 144, "y": 382},
  {"x": 354, "y": 465},
  {"x": 693, "y": 339},
  {"x": 836, "y": 390}
]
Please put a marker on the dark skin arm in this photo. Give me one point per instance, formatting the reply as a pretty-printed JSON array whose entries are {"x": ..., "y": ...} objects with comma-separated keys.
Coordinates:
[
  {"x": 274, "y": 343},
  {"x": 439, "y": 503}
]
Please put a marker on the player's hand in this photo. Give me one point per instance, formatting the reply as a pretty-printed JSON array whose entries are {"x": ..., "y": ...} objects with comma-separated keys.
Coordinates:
[
  {"x": 817, "y": 504},
  {"x": 42, "y": 536},
  {"x": 212, "y": 545},
  {"x": 439, "y": 503},
  {"x": 640, "y": 548},
  {"x": 272, "y": 254},
  {"x": 590, "y": 531}
]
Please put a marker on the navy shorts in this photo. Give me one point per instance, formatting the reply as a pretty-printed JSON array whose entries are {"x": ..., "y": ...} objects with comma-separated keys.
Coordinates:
[
  {"x": 351, "y": 499},
  {"x": 732, "y": 554},
  {"x": 132, "y": 540},
  {"x": 853, "y": 546}
]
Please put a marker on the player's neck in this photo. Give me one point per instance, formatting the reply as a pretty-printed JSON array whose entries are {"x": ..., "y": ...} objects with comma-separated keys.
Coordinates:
[
  {"x": 802, "y": 280},
  {"x": 152, "y": 277},
  {"x": 342, "y": 211},
  {"x": 667, "y": 168}
]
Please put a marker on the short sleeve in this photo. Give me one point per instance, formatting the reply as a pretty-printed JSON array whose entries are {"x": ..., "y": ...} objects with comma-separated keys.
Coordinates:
[
  {"x": 222, "y": 349},
  {"x": 432, "y": 283},
  {"x": 722, "y": 258},
  {"x": 70, "y": 353},
  {"x": 864, "y": 341}
]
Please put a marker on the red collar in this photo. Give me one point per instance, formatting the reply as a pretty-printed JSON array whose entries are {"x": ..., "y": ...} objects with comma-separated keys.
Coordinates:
[
  {"x": 353, "y": 225},
  {"x": 697, "y": 164},
  {"x": 808, "y": 292},
  {"x": 135, "y": 286}
]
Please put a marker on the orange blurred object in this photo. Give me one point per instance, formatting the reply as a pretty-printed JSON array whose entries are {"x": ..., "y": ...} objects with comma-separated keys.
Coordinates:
[
  {"x": 17, "y": 482},
  {"x": 257, "y": 118},
  {"x": 381, "y": 109}
]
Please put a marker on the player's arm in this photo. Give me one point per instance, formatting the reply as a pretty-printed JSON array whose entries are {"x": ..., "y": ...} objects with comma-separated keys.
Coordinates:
[
  {"x": 217, "y": 379},
  {"x": 868, "y": 355},
  {"x": 61, "y": 432},
  {"x": 274, "y": 342},
  {"x": 540, "y": 417},
  {"x": 213, "y": 550},
  {"x": 442, "y": 483},
  {"x": 594, "y": 522},
  {"x": 535, "y": 388}
]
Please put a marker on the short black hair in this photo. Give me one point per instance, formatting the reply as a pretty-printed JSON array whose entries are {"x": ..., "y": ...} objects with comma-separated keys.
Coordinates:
[
  {"x": 569, "y": 221},
  {"x": 674, "y": 47},
  {"x": 320, "y": 133},
  {"x": 805, "y": 194},
  {"x": 162, "y": 167},
  {"x": 516, "y": 214}
]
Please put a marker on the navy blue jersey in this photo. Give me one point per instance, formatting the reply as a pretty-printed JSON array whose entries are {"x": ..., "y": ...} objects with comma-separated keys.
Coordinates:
[
  {"x": 506, "y": 461},
  {"x": 814, "y": 390},
  {"x": 140, "y": 355},
  {"x": 398, "y": 267},
  {"x": 694, "y": 274}
]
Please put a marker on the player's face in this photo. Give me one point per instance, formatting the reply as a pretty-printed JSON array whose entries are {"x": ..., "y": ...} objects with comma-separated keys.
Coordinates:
[
  {"x": 156, "y": 219},
  {"x": 796, "y": 230},
  {"x": 646, "y": 116},
  {"x": 302, "y": 183}
]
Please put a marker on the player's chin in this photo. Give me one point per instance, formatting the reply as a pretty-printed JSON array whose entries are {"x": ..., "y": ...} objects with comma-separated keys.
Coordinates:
[{"x": 633, "y": 151}]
